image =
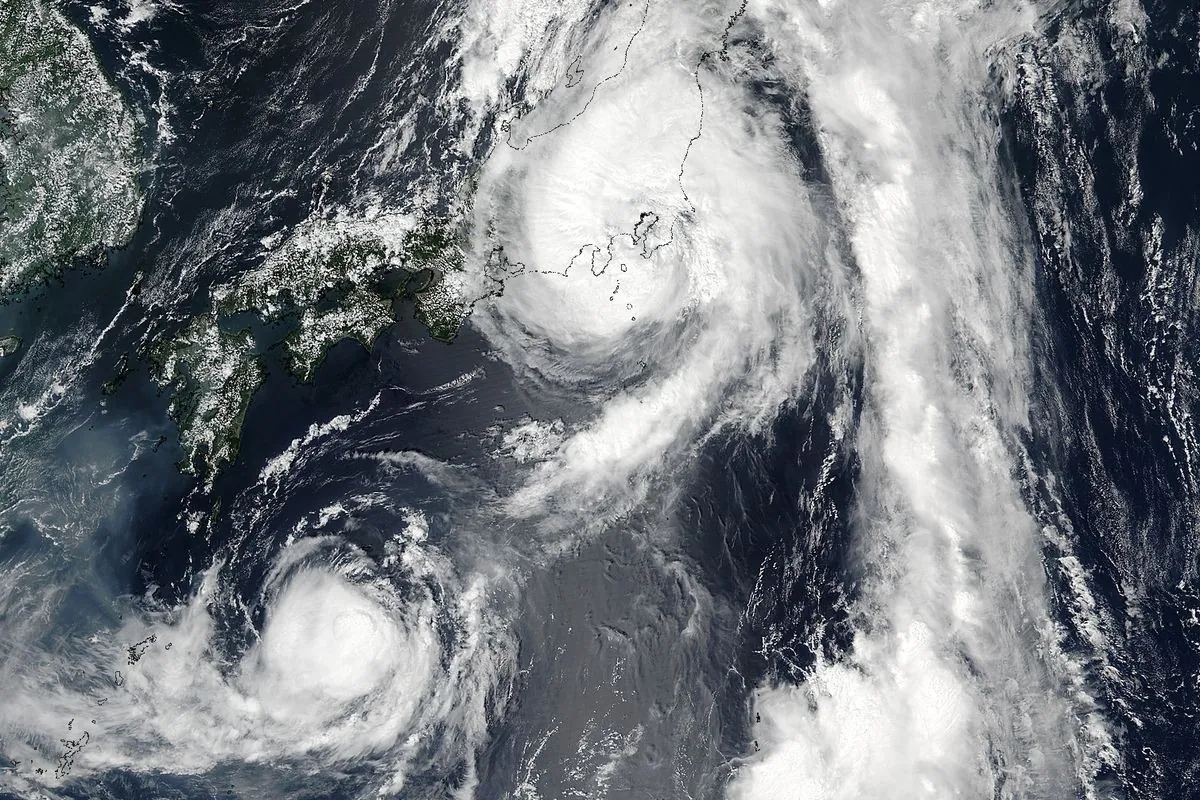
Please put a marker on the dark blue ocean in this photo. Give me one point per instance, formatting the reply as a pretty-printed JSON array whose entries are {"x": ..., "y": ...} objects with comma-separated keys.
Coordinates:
[{"x": 261, "y": 133}]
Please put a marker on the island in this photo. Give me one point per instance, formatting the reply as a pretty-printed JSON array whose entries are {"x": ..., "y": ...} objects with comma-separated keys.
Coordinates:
[{"x": 327, "y": 280}]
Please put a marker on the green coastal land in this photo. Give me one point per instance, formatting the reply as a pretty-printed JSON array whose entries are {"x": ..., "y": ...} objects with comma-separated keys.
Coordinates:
[{"x": 69, "y": 149}]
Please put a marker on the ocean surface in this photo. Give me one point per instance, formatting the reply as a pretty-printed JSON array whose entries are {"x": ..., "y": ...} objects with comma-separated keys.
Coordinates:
[{"x": 821, "y": 425}]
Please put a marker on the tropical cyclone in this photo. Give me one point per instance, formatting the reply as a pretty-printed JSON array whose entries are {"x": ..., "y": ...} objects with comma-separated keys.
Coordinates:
[
  {"x": 655, "y": 231},
  {"x": 69, "y": 157}
]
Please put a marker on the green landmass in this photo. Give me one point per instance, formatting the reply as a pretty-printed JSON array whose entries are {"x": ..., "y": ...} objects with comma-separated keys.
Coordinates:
[
  {"x": 330, "y": 280},
  {"x": 69, "y": 150},
  {"x": 213, "y": 375},
  {"x": 361, "y": 316},
  {"x": 341, "y": 276}
]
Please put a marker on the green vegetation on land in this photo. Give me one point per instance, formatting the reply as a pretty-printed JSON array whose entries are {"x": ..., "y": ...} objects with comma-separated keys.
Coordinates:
[
  {"x": 214, "y": 374},
  {"x": 331, "y": 280},
  {"x": 69, "y": 155}
]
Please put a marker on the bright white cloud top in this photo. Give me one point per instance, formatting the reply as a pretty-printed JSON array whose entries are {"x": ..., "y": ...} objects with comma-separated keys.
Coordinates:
[
  {"x": 656, "y": 258},
  {"x": 663, "y": 255}
]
